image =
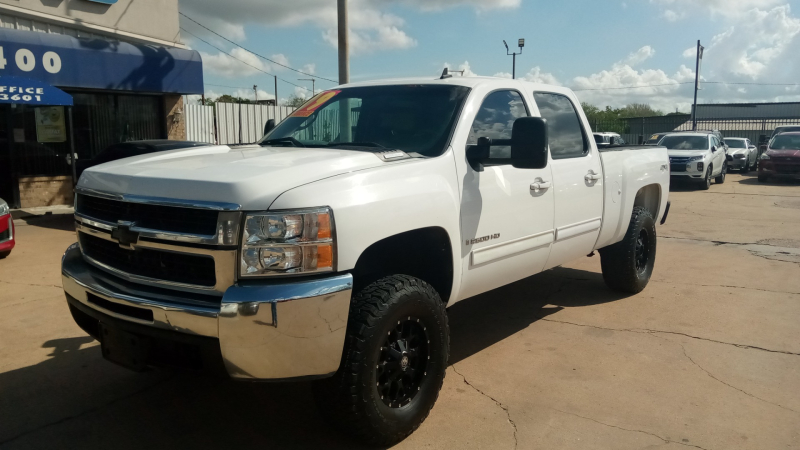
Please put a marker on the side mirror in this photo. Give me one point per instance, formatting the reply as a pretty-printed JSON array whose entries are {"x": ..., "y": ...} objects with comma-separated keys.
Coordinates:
[
  {"x": 529, "y": 143},
  {"x": 713, "y": 149},
  {"x": 269, "y": 126}
]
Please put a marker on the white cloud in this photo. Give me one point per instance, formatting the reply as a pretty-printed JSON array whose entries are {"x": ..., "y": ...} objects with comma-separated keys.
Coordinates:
[
  {"x": 640, "y": 56},
  {"x": 536, "y": 75},
  {"x": 723, "y": 8},
  {"x": 370, "y": 29},
  {"x": 672, "y": 16},
  {"x": 465, "y": 67},
  {"x": 225, "y": 66},
  {"x": 310, "y": 68},
  {"x": 280, "y": 58}
]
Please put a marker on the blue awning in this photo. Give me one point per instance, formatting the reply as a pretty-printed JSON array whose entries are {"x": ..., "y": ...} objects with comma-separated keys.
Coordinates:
[
  {"x": 69, "y": 62},
  {"x": 31, "y": 92}
]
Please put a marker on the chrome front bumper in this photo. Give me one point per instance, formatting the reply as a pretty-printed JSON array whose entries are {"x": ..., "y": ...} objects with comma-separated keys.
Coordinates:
[{"x": 265, "y": 331}]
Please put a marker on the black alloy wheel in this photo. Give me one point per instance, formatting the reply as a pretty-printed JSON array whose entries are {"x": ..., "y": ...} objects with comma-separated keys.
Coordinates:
[
  {"x": 642, "y": 251},
  {"x": 403, "y": 363}
]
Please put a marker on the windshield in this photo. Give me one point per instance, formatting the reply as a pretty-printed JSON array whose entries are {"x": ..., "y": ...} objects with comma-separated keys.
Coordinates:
[
  {"x": 735, "y": 143},
  {"x": 685, "y": 142},
  {"x": 786, "y": 142},
  {"x": 784, "y": 130},
  {"x": 413, "y": 118}
]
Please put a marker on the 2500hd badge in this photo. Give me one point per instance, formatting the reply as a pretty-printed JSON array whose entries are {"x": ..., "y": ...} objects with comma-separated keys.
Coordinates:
[{"x": 482, "y": 239}]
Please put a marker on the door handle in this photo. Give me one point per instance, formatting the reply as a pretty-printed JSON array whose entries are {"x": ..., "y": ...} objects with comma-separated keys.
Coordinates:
[
  {"x": 591, "y": 176},
  {"x": 541, "y": 185}
]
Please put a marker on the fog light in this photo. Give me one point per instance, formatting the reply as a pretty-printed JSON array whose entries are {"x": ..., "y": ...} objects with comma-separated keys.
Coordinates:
[{"x": 700, "y": 167}]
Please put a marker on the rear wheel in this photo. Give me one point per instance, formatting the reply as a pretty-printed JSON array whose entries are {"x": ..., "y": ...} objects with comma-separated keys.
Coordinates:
[
  {"x": 628, "y": 264},
  {"x": 721, "y": 177},
  {"x": 394, "y": 361},
  {"x": 763, "y": 178},
  {"x": 4, "y": 254}
]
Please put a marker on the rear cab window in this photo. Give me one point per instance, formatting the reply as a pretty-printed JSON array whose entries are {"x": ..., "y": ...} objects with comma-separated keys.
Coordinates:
[{"x": 566, "y": 134}]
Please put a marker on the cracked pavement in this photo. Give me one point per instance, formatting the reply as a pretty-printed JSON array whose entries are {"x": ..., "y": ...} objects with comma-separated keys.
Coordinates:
[{"x": 706, "y": 357}]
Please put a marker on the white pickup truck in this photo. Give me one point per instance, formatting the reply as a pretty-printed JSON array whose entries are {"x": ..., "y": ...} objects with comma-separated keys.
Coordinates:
[{"x": 331, "y": 249}]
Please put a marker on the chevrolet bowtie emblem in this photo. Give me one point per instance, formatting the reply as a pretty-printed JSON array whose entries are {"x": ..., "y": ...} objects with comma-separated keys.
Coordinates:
[{"x": 123, "y": 234}]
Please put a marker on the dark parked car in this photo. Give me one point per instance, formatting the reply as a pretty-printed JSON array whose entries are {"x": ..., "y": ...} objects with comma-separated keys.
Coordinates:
[
  {"x": 133, "y": 148},
  {"x": 782, "y": 158}
]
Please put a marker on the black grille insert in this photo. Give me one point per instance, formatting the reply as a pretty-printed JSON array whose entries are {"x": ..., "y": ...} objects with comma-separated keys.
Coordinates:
[
  {"x": 161, "y": 265},
  {"x": 130, "y": 311},
  {"x": 5, "y": 235},
  {"x": 156, "y": 217},
  {"x": 678, "y": 168}
]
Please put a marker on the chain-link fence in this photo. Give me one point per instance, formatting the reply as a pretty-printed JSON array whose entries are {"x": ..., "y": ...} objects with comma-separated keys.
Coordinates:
[{"x": 637, "y": 130}]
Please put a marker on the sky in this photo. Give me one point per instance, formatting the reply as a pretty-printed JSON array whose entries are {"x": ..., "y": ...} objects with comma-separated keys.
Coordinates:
[{"x": 590, "y": 46}]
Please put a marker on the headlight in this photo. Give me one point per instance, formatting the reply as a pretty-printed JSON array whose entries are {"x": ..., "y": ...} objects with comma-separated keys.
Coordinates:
[
  {"x": 695, "y": 158},
  {"x": 3, "y": 208},
  {"x": 764, "y": 156},
  {"x": 739, "y": 156},
  {"x": 288, "y": 242}
]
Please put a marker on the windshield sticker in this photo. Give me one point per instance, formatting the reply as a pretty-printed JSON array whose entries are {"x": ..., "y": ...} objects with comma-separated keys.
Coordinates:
[{"x": 315, "y": 103}]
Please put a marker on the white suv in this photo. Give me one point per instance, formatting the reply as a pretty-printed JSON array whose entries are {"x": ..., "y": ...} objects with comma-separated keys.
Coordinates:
[{"x": 696, "y": 156}]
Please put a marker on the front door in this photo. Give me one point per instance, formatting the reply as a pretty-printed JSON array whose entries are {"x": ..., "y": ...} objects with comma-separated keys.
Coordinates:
[
  {"x": 577, "y": 179},
  {"x": 506, "y": 213}
]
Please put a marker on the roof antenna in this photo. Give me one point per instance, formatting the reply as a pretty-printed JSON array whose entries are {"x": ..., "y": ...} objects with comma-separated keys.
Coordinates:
[{"x": 445, "y": 74}]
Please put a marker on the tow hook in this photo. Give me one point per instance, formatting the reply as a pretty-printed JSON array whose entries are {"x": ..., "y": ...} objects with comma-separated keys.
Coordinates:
[{"x": 590, "y": 255}]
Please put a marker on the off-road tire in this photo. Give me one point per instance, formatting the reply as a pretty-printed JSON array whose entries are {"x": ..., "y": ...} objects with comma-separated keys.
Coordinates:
[
  {"x": 721, "y": 177},
  {"x": 351, "y": 399},
  {"x": 619, "y": 261},
  {"x": 3, "y": 255},
  {"x": 706, "y": 183},
  {"x": 763, "y": 178}
]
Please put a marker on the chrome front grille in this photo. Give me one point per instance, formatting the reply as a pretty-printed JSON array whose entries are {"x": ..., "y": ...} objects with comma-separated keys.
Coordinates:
[{"x": 194, "y": 250}]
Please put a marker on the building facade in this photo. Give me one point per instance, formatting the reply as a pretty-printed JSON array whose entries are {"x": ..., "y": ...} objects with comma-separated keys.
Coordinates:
[{"x": 124, "y": 66}]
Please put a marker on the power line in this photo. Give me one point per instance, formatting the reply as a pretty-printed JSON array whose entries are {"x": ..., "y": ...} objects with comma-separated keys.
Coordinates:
[
  {"x": 242, "y": 61},
  {"x": 634, "y": 87},
  {"x": 751, "y": 84},
  {"x": 222, "y": 85},
  {"x": 260, "y": 56}
]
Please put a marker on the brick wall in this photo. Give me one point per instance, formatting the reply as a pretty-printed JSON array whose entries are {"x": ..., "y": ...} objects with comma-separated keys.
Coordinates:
[{"x": 45, "y": 191}]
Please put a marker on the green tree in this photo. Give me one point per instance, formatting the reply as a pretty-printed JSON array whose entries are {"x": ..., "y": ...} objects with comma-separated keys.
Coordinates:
[
  {"x": 295, "y": 101},
  {"x": 639, "y": 110}
]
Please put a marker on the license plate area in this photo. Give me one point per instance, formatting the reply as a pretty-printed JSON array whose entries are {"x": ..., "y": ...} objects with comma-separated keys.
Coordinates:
[{"x": 123, "y": 348}]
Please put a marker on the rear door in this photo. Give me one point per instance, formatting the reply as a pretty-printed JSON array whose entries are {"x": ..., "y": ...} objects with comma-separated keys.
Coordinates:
[{"x": 577, "y": 179}]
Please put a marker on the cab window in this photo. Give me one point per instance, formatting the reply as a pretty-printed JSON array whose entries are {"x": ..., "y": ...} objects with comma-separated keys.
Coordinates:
[
  {"x": 495, "y": 120},
  {"x": 566, "y": 135}
]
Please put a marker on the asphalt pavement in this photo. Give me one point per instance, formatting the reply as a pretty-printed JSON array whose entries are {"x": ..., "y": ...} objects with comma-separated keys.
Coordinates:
[{"x": 708, "y": 356}]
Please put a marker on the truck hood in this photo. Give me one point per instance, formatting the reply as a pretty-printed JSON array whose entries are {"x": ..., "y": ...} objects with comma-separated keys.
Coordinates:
[
  {"x": 687, "y": 153},
  {"x": 251, "y": 176},
  {"x": 784, "y": 153}
]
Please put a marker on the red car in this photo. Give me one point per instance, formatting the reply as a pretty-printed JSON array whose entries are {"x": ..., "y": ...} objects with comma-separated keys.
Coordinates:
[
  {"x": 782, "y": 158},
  {"x": 6, "y": 230}
]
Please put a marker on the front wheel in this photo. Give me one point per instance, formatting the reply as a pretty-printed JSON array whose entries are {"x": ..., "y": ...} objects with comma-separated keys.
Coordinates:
[
  {"x": 721, "y": 177},
  {"x": 394, "y": 361},
  {"x": 628, "y": 264},
  {"x": 706, "y": 183},
  {"x": 746, "y": 167}
]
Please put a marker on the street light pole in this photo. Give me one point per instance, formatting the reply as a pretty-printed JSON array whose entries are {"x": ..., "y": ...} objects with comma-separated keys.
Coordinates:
[
  {"x": 699, "y": 62},
  {"x": 313, "y": 84},
  {"x": 521, "y": 43}
]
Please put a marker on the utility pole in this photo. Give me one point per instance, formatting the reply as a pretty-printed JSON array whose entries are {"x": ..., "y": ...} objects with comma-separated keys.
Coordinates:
[
  {"x": 344, "y": 45},
  {"x": 521, "y": 43},
  {"x": 276, "y": 99},
  {"x": 313, "y": 84},
  {"x": 699, "y": 63},
  {"x": 345, "y": 129}
]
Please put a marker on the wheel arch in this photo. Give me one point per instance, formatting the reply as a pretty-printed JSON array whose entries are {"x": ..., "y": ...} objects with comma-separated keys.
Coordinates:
[
  {"x": 424, "y": 253},
  {"x": 649, "y": 197}
]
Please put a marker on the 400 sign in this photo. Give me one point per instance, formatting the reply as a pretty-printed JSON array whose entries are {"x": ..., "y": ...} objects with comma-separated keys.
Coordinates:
[{"x": 26, "y": 60}]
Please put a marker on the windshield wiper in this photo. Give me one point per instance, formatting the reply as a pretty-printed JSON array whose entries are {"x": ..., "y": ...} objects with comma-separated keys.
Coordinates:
[
  {"x": 291, "y": 140},
  {"x": 355, "y": 144}
]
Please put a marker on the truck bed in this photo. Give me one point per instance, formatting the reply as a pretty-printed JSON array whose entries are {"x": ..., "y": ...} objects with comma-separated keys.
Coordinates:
[{"x": 626, "y": 170}]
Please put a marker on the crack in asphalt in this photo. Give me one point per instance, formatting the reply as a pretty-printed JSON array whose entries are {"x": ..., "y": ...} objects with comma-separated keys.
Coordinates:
[
  {"x": 730, "y": 385},
  {"x": 726, "y": 286},
  {"x": 743, "y": 193},
  {"x": 651, "y": 331},
  {"x": 498, "y": 403},
  {"x": 754, "y": 252},
  {"x": 664, "y": 440},
  {"x": 32, "y": 284},
  {"x": 88, "y": 411}
]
